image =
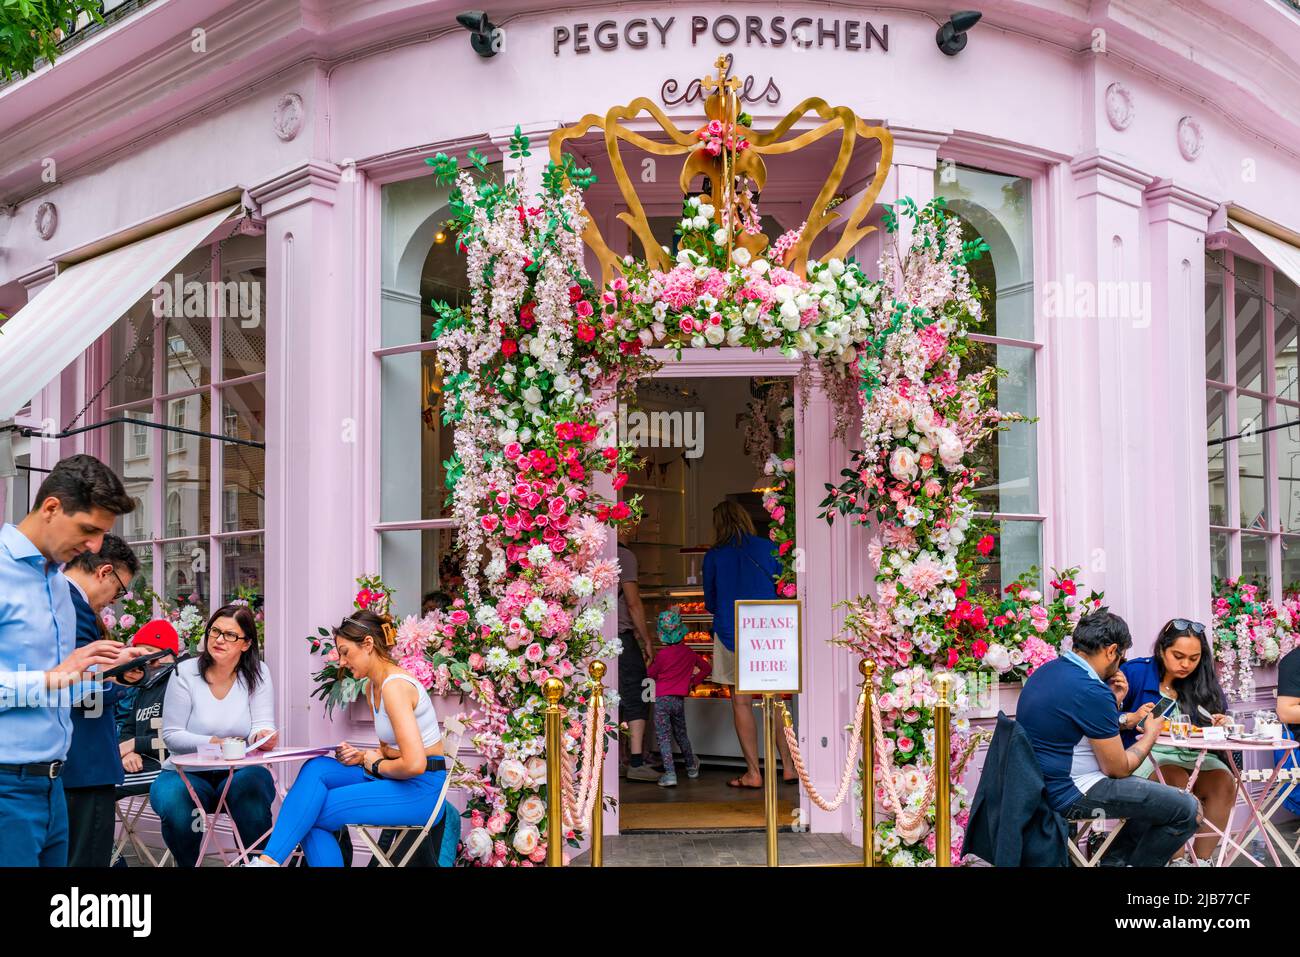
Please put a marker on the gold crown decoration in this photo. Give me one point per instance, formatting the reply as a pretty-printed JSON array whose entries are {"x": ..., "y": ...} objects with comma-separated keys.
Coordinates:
[{"x": 737, "y": 162}]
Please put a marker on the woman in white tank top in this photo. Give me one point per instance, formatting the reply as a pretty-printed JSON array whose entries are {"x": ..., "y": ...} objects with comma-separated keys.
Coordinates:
[{"x": 397, "y": 784}]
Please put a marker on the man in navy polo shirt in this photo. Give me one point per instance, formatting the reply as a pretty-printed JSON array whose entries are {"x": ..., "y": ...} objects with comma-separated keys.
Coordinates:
[{"x": 1070, "y": 710}]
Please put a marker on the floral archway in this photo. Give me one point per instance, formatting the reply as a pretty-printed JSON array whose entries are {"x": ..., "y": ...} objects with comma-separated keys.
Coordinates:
[{"x": 535, "y": 363}]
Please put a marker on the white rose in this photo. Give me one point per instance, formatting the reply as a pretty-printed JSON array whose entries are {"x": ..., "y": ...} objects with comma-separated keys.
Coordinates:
[
  {"x": 685, "y": 225},
  {"x": 511, "y": 775},
  {"x": 760, "y": 266},
  {"x": 997, "y": 658},
  {"x": 706, "y": 210},
  {"x": 532, "y": 809},
  {"x": 714, "y": 334},
  {"x": 536, "y": 768},
  {"x": 478, "y": 844},
  {"x": 533, "y": 395},
  {"x": 733, "y": 335},
  {"x": 526, "y": 839},
  {"x": 647, "y": 338},
  {"x": 684, "y": 257},
  {"x": 950, "y": 448},
  {"x": 505, "y": 437},
  {"x": 700, "y": 222},
  {"x": 740, "y": 256},
  {"x": 903, "y": 464},
  {"x": 719, "y": 236}
]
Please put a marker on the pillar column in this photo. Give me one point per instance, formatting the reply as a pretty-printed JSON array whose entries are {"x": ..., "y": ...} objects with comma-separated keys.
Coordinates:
[
  {"x": 314, "y": 418},
  {"x": 1177, "y": 220}
]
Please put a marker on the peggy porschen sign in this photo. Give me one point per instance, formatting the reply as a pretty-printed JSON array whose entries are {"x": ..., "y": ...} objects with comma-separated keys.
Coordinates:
[{"x": 797, "y": 33}]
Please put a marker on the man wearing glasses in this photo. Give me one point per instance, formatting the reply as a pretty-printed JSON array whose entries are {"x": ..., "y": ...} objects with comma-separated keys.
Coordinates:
[
  {"x": 94, "y": 767},
  {"x": 40, "y": 664},
  {"x": 1070, "y": 710}
]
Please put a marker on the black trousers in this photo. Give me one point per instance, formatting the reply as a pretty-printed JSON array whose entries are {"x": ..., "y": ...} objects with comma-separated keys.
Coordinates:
[{"x": 90, "y": 825}]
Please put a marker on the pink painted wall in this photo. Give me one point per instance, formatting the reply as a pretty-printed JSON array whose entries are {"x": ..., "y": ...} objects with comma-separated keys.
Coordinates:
[{"x": 138, "y": 124}]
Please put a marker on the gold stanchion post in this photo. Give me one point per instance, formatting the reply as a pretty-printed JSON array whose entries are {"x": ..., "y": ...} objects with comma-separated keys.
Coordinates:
[
  {"x": 868, "y": 670},
  {"x": 597, "y": 672},
  {"x": 943, "y": 771},
  {"x": 552, "y": 689},
  {"x": 769, "y": 777}
]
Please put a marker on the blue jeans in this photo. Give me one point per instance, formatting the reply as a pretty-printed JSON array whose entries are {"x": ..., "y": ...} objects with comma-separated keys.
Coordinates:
[
  {"x": 249, "y": 800},
  {"x": 1160, "y": 819},
  {"x": 33, "y": 821},
  {"x": 328, "y": 795}
]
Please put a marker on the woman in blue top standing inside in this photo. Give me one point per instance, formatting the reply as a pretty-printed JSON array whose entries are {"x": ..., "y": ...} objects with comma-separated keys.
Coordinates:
[
  {"x": 1182, "y": 668},
  {"x": 740, "y": 565}
]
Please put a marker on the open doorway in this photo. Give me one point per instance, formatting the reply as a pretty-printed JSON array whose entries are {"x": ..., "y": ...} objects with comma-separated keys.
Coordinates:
[{"x": 703, "y": 441}]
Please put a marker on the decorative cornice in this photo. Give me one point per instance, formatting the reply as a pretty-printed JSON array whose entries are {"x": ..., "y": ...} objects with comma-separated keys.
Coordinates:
[
  {"x": 312, "y": 181},
  {"x": 1100, "y": 172},
  {"x": 1167, "y": 200},
  {"x": 917, "y": 146}
]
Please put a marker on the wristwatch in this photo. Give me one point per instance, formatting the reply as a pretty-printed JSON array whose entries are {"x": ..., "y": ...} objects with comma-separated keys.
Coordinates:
[{"x": 374, "y": 768}]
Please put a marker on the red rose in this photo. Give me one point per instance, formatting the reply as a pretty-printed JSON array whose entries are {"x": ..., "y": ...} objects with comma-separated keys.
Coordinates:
[
  {"x": 1068, "y": 587},
  {"x": 979, "y": 648},
  {"x": 620, "y": 480},
  {"x": 575, "y": 293},
  {"x": 509, "y": 347},
  {"x": 961, "y": 589},
  {"x": 953, "y": 657},
  {"x": 985, "y": 545},
  {"x": 585, "y": 332}
]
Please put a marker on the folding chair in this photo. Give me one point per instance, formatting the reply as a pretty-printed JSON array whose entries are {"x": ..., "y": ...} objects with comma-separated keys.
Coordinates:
[
  {"x": 370, "y": 833},
  {"x": 128, "y": 809},
  {"x": 1080, "y": 832}
]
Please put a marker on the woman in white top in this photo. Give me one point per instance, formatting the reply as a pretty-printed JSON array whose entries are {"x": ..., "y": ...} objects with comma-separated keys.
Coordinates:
[
  {"x": 397, "y": 784},
  {"x": 223, "y": 693}
]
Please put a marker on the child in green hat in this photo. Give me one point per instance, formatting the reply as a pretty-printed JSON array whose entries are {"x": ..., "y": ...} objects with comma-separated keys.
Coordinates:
[{"x": 676, "y": 669}]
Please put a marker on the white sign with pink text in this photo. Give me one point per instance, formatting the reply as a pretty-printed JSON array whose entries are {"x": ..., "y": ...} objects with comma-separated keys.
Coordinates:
[{"x": 768, "y": 653}]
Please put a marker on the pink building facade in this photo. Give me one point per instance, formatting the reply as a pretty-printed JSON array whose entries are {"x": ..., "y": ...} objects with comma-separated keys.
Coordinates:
[{"x": 1105, "y": 153}]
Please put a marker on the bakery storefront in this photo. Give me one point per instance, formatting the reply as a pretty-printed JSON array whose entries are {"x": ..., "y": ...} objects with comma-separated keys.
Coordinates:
[{"x": 285, "y": 212}]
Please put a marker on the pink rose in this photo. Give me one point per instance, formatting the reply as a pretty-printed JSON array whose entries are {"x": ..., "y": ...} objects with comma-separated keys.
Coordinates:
[{"x": 534, "y": 653}]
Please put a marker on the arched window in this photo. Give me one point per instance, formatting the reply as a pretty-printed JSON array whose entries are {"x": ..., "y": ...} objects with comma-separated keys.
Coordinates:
[{"x": 999, "y": 208}]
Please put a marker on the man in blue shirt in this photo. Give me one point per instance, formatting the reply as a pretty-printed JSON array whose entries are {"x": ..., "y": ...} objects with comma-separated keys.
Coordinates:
[
  {"x": 1070, "y": 710},
  {"x": 40, "y": 665}
]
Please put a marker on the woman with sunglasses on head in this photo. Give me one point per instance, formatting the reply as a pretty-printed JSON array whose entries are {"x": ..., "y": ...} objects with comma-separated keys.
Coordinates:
[
  {"x": 223, "y": 693},
  {"x": 397, "y": 784},
  {"x": 1182, "y": 668}
]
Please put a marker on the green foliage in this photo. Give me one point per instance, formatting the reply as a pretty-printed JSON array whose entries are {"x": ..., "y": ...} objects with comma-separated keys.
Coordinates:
[
  {"x": 30, "y": 30},
  {"x": 518, "y": 144},
  {"x": 444, "y": 168}
]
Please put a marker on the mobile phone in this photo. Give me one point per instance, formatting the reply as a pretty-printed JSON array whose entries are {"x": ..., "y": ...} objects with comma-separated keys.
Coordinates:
[{"x": 1163, "y": 707}]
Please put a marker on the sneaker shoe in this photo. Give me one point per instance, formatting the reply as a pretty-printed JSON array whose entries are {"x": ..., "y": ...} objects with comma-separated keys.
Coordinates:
[
  {"x": 1179, "y": 862},
  {"x": 642, "y": 773},
  {"x": 668, "y": 780},
  {"x": 256, "y": 862},
  {"x": 694, "y": 770}
]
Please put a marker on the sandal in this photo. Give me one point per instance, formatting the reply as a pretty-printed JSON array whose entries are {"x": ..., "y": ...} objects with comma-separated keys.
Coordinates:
[{"x": 737, "y": 783}]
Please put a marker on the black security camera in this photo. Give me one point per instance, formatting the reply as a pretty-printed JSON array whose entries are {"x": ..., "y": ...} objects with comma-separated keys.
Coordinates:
[
  {"x": 484, "y": 38},
  {"x": 952, "y": 35}
]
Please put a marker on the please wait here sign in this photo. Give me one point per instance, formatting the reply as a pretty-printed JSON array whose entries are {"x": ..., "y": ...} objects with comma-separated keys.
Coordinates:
[{"x": 767, "y": 647}]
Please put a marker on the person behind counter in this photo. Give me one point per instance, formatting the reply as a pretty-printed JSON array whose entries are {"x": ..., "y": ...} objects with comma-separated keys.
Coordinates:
[
  {"x": 223, "y": 693},
  {"x": 676, "y": 669},
  {"x": 633, "y": 659},
  {"x": 740, "y": 565},
  {"x": 1182, "y": 668}
]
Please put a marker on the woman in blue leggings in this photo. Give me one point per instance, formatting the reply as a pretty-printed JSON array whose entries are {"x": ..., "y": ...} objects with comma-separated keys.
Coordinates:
[{"x": 396, "y": 785}]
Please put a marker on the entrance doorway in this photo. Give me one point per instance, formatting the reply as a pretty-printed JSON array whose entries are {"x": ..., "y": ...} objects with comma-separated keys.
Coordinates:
[{"x": 703, "y": 440}]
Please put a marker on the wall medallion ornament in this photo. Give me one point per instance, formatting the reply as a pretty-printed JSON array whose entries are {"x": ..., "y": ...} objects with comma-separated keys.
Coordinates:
[
  {"x": 1120, "y": 108},
  {"x": 47, "y": 220},
  {"x": 289, "y": 114},
  {"x": 1191, "y": 138}
]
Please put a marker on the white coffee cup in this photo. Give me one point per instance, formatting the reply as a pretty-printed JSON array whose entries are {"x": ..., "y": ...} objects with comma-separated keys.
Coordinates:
[{"x": 233, "y": 749}]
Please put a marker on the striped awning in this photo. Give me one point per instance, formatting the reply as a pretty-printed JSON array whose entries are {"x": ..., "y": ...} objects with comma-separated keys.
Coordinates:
[
  {"x": 1284, "y": 257},
  {"x": 82, "y": 303}
]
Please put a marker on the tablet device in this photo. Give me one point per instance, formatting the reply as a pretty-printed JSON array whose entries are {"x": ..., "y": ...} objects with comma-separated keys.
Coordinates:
[{"x": 118, "y": 671}]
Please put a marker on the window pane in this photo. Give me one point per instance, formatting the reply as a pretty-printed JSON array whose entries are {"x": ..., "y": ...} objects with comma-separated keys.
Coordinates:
[
  {"x": 1252, "y": 463},
  {"x": 132, "y": 350},
  {"x": 1290, "y": 565},
  {"x": 185, "y": 573},
  {"x": 997, "y": 208},
  {"x": 244, "y": 467},
  {"x": 243, "y": 566},
  {"x": 188, "y": 468},
  {"x": 1288, "y": 469},
  {"x": 1286, "y": 321},
  {"x": 1008, "y": 461},
  {"x": 1219, "y": 555},
  {"x": 416, "y": 562},
  {"x": 143, "y": 578},
  {"x": 1250, "y": 328},
  {"x": 412, "y": 419},
  {"x": 1017, "y": 547},
  {"x": 131, "y": 457},
  {"x": 241, "y": 301},
  {"x": 1254, "y": 561},
  {"x": 1214, "y": 320},
  {"x": 1218, "y": 455},
  {"x": 187, "y": 344}
]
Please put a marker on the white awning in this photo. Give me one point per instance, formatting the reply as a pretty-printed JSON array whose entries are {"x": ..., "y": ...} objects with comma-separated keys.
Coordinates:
[
  {"x": 1284, "y": 256},
  {"x": 82, "y": 302}
]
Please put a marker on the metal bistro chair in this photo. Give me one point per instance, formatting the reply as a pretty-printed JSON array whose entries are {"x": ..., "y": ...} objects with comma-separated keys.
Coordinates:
[
  {"x": 370, "y": 833},
  {"x": 129, "y": 805},
  {"x": 1081, "y": 831}
]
